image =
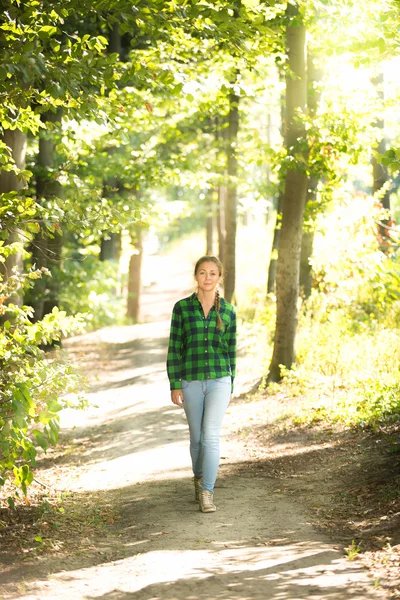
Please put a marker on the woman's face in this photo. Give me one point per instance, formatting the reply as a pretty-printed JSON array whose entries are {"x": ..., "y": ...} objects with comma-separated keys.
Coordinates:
[{"x": 207, "y": 276}]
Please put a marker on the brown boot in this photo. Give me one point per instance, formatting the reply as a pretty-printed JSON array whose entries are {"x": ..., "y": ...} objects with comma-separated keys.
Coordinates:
[{"x": 198, "y": 486}]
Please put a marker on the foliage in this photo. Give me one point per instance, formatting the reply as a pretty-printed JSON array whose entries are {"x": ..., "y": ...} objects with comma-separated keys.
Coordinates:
[
  {"x": 33, "y": 384},
  {"x": 89, "y": 287},
  {"x": 391, "y": 159},
  {"x": 353, "y": 551},
  {"x": 348, "y": 336},
  {"x": 149, "y": 120},
  {"x": 347, "y": 370}
]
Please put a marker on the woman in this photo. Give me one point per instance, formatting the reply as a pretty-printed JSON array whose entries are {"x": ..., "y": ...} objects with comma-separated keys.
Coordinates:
[{"x": 201, "y": 369}]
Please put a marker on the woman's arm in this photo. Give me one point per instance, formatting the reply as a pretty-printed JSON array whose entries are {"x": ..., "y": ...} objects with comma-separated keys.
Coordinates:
[{"x": 175, "y": 350}]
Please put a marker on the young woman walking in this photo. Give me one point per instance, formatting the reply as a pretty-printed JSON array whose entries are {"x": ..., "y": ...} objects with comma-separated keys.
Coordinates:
[{"x": 201, "y": 368}]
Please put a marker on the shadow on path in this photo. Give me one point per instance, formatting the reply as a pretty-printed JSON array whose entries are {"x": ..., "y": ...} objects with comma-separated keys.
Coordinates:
[
  {"x": 122, "y": 434},
  {"x": 158, "y": 518}
]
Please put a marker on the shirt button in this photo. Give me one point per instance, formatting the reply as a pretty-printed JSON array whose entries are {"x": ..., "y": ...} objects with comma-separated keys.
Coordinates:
[{"x": 206, "y": 350}]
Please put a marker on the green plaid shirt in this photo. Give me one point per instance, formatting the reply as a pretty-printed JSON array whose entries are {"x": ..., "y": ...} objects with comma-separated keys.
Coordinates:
[{"x": 197, "y": 349}]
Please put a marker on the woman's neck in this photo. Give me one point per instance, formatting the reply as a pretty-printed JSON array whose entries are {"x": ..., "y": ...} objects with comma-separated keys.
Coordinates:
[{"x": 206, "y": 298}]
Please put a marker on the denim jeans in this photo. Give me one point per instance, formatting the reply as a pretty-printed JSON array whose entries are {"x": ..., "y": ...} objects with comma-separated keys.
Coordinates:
[{"x": 205, "y": 403}]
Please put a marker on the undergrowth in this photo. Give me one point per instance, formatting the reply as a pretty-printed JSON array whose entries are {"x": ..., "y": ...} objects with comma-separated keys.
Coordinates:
[{"x": 347, "y": 368}]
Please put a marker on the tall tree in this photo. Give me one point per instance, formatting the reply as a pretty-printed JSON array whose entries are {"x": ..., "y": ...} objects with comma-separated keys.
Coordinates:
[
  {"x": 231, "y": 197},
  {"x": 134, "y": 274},
  {"x": 110, "y": 243},
  {"x": 220, "y": 134},
  {"x": 314, "y": 75},
  {"x": 46, "y": 246},
  {"x": 273, "y": 261},
  {"x": 15, "y": 141},
  {"x": 380, "y": 175},
  {"x": 288, "y": 267},
  {"x": 209, "y": 222}
]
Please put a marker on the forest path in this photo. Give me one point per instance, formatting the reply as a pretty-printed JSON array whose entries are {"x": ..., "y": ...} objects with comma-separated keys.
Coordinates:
[{"x": 131, "y": 454}]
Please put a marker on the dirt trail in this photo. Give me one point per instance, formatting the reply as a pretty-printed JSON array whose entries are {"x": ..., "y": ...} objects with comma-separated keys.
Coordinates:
[{"x": 132, "y": 453}]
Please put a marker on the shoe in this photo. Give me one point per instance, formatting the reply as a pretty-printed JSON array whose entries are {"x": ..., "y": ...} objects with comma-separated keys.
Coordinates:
[
  {"x": 206, "y": 502},
  {"x": 198, "y": 486}
]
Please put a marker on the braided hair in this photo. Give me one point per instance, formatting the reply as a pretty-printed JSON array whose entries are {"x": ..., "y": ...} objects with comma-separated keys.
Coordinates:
[
  {"x": 217, "y": 309},
  {"x": 217, "y": 303}
]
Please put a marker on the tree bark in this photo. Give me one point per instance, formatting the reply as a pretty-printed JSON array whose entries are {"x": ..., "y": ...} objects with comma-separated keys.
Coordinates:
[
  {"x": 231, "y": 198},
  {"x": 275, "y": 245},
  {"x": 307, "y": 245},
  {"x": 46, "y": 251},
  {"x": 209, "y": 223},
  {"x": 273, "y": 261},
  {"x": 110, "y": 247},
  {"x": 288, "y": 267},
  {"x": 221, "y": 222},
  {"x": 110, "y": 243},
  {"x": 380, "y": 175},
  {"x": 9, "y": 182},
  {"x": 314, "y": 76},
  {"x": 134, "y": 277}
]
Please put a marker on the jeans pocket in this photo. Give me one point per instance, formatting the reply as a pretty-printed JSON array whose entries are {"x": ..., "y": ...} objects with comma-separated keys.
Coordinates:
[{"x": 185, "y": 384}]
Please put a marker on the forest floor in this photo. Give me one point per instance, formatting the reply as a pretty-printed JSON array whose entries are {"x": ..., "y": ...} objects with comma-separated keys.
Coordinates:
[{"x": 112, "y": 514}]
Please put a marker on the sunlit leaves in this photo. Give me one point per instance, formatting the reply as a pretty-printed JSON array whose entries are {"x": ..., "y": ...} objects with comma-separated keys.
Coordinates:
[
  {"x": 391, "y": 159},
  {"x": 31, "y": 384}
]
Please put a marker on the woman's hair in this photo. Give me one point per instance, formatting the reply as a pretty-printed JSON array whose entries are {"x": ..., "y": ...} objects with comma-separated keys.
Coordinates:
[{"x": 217, "y": 262}]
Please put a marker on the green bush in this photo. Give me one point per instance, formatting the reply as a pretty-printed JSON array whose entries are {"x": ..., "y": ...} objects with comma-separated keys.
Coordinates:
[
  {"x": 345, "y": 374},
  {"x": 34, "y": 385},
  {"x": 89, "y": 286}
]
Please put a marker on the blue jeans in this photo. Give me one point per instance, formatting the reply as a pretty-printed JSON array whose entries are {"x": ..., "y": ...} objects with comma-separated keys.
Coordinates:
[{"x": 205, "y": 404}]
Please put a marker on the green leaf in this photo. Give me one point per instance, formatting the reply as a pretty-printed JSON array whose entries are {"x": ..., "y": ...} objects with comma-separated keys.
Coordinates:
[
  {"x": 54, "y": 405},
  {"x": 50, "y": 29},
  {"x": 41, "y": 440}
]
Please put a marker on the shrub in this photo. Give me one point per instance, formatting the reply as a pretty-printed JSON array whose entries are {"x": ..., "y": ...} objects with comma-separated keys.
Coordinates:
[{"x": 34, "y": 385}]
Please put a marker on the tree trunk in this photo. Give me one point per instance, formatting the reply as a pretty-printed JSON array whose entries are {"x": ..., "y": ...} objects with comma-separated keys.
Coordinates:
[
  {"x": 380, "y": 173},
  {"x": 110, "y": 243},
  {"x": 220, "y": 138},
  {"x": 231, "y": 199},
  {"x": 273, "y": 261},
  {"x": 268, "y": 166},
  {"x": 209, "y": 223},
  {"x": 134, "y": 277},
  {"x": 287, "y": 277},
  {"x": 307, "y": 245},
  {"x": 46, "y": 251},
  {"x": 110, "y": 247},
  {"x": 275, "y": 245},
  {"x": 314, "y": 76},
  {"x": 9, "y": 182},
  {"x": 221, "y": 222}
]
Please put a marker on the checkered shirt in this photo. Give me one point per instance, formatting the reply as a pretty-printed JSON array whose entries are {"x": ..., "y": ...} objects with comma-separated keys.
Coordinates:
[{"x": 197, "y": 349}]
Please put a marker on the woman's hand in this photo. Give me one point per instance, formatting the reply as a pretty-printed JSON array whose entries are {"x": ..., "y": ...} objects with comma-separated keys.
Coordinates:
[{"x": 177, "y": 397}]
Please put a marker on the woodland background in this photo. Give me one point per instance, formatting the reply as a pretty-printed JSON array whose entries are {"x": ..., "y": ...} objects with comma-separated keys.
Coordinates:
[{"x": 264, "y": 132}]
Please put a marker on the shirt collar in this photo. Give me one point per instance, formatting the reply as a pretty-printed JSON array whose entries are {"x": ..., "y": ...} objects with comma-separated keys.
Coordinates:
[{"x": 196, "y": 302}]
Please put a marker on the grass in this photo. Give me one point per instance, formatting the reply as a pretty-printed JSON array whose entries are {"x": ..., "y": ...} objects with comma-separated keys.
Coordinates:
[{"x": 346, "y": 372}]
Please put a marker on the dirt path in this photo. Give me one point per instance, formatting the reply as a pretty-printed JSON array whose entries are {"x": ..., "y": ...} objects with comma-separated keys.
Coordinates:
[{"x": 130, "y": 456}]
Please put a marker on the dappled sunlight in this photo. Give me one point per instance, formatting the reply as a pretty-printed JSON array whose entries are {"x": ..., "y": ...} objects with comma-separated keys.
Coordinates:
[
  {"x": 134, "y": 139},
  {"x": 281, "y": 573}
]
